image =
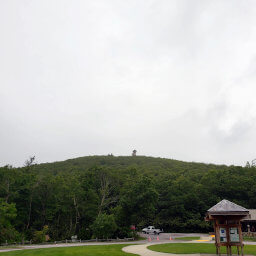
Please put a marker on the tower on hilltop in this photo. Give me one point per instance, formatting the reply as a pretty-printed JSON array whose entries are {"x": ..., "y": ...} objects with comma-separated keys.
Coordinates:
[{"x": 134, "y": 152}]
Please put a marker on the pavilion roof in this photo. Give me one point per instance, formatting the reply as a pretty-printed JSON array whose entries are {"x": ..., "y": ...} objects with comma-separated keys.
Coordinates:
[
  {"x": 252, "y": 217},
  {"x": 226, "y": 207}
]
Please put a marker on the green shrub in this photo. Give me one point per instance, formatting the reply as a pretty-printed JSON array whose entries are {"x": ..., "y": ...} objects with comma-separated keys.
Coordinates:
[
  {"x": 104, "y": 226},
  {"x": 40, "y": 236}
]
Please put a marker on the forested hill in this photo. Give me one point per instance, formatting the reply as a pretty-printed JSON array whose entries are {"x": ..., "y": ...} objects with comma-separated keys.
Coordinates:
[
  {"x": 145, "y": 164},
  {"x": 98, "y": 196}
]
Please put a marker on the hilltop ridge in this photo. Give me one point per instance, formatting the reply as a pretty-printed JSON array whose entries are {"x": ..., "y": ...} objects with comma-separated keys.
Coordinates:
[{"x": 140, "y": 162}]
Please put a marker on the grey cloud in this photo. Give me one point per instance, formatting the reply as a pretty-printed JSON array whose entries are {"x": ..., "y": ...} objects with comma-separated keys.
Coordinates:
[{"x": 169, "y": 78}]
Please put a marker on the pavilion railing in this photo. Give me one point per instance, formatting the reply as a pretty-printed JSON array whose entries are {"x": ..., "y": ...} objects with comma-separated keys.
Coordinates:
[{"x": 249, "y": 234}]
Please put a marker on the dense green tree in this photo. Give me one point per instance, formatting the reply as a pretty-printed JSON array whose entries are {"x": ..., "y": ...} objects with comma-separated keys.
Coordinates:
[
  {"x": 139, "y": 202},
  {"x": 7, "y": 214},
  {"x": 72, "y": 196}
]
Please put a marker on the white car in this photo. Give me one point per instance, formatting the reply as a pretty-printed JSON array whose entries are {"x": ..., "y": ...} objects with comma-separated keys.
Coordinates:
[{"x": 151, "y": 230}]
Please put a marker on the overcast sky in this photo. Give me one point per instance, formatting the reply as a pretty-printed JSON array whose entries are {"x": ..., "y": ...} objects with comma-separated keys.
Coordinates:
[{"x": 174, "y": 79}]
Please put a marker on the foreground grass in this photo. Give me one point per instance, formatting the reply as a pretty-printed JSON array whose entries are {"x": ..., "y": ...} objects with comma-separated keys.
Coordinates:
[
  {"x": 90, "y": 250},
  {"x": 188, "y": 238},
  {"x": 197, "y": 248}
]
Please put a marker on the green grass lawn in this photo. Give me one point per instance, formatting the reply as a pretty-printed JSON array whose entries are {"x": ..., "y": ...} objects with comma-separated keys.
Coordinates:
[
  {"x": 188, "y": 238},
  {"x": 251, "y": 239},
  {"x": 91, "y": 250},
  {"x": 10, "y": 247},
  {"x": 141, "y": 238},
  {"x": 197, "y": 248}
]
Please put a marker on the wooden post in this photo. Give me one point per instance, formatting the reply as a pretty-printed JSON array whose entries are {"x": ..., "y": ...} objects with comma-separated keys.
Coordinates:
[
  {"x": 241, "y": 238},
  {"x": 228, "y": 239},
  {"x": 217, "y": 236},
  {"x": 214, "y": 227},
  {"x": 218, "y": 250}
]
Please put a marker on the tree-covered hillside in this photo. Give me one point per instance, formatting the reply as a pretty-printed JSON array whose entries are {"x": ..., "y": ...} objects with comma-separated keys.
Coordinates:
[{"x": 104, "y": 195}]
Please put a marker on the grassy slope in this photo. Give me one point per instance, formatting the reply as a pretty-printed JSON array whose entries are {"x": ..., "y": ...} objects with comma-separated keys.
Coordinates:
[
  {"x": 92, "y": 250},
  {"x": 189, "y": 248}
]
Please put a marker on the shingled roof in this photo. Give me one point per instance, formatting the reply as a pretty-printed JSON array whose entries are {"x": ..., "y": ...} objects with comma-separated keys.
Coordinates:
[
  {"x": 252, "y": 217},
  {"x": 227, "y": 207}
]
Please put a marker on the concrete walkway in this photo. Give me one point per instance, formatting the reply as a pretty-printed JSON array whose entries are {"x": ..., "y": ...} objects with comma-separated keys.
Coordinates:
[{"x": 141, "y": 249}]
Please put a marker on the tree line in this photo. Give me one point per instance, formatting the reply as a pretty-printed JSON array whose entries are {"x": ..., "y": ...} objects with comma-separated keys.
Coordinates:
[{"x": 103, "y": 196}]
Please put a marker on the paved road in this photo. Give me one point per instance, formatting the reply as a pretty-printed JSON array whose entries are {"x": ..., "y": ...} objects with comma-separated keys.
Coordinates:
[{"x": 166, "y": 236}]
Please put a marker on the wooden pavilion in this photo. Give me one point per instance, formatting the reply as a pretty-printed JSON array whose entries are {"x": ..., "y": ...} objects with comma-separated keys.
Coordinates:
[
  {"x": 249, "y": 224},
  {"x": 226, "y": 217}
]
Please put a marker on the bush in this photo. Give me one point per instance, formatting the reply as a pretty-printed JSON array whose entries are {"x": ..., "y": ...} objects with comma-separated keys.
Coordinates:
[
  {"x": 10, "y": 235},
  {"x": 40, "y": 236},
  {"x": 104, "y": 226}
]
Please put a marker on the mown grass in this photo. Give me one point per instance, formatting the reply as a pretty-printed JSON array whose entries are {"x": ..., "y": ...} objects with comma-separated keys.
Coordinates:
[
  {"x": 251, "y": 239},
  {"x": 189, "y": 248},
  {"x": 90, "y": 250},
  {"x": 10, "y": 247},
  {"x": 141, "y": 238},
  {"x": 188, "y": 238}
]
